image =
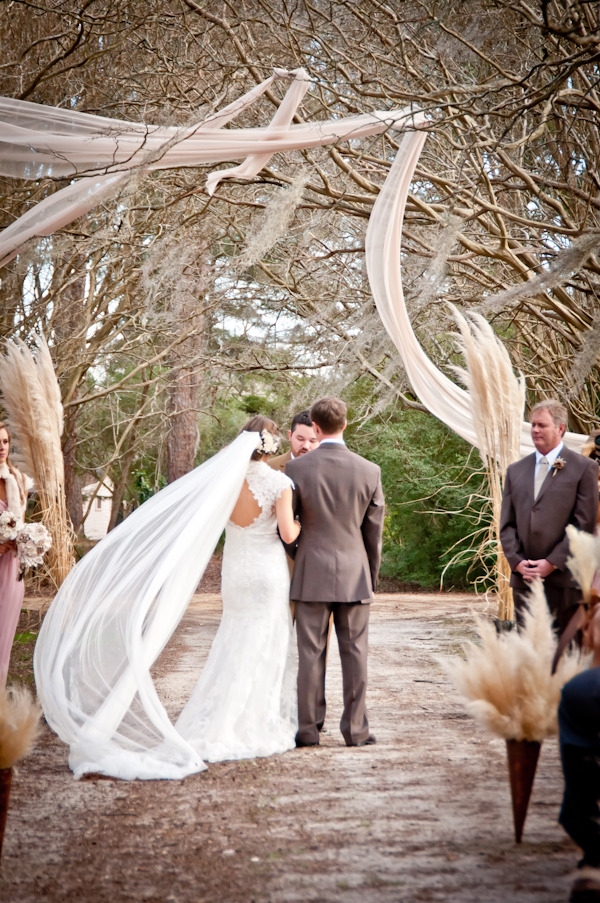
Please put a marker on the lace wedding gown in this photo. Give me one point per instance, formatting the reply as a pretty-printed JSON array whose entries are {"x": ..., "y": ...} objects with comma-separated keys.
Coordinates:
[
  {"x": 121, "y": 603},
  {"x": 244, "y": 704}
]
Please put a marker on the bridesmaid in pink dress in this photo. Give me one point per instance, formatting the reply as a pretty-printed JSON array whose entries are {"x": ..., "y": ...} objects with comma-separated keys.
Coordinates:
[{"x": 13, "y": 496}]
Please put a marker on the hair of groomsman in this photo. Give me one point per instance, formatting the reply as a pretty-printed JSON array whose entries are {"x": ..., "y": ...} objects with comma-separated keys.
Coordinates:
[{"x": 329, "y": 416}]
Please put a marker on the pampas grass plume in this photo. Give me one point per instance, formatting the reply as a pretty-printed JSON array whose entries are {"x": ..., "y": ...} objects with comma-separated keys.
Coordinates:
[
  {"x": 584, "y": 558},
  {"x": 19, "y": 724},
  {"x": 507, "y": 680}
]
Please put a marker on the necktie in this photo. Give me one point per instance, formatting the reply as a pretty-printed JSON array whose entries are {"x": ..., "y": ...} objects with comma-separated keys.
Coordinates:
[{"x": 542, "y": 473}]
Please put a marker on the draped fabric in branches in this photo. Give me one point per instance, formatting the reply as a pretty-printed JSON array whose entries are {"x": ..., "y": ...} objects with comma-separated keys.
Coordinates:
[{"x": 100, "y": 154}]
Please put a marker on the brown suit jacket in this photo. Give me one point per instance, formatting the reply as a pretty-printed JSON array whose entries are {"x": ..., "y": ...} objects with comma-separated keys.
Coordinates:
[
  {"x": 339, "y": 501},
  {"x": 536, "y": 528},
  {"x": 279, "y": 462}
]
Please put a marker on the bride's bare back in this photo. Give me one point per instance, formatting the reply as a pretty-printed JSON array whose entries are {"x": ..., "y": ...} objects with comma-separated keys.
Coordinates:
[{"x": 246, "y": 509}]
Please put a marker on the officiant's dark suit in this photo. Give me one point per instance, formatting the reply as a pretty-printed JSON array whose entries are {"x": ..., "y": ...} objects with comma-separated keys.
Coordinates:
[
  {"x": 532, "y": 530},
  {"x": 339, "y": 501}
]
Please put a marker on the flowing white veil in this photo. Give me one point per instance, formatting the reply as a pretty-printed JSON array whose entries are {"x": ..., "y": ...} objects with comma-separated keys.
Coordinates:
[{"x": 114, "y": 614}]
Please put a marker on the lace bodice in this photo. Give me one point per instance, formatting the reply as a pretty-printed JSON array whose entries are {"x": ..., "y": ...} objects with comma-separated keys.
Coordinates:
[{"x": 266, "y": 485}]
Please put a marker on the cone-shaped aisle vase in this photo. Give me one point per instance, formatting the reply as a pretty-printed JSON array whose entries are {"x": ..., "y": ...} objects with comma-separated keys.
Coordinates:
[
  {"x": 5, "y": 779},
  {"x": 522, "y": 762}
]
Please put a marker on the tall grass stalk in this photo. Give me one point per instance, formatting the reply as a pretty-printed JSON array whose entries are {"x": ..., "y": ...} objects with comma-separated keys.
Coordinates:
[
  {"x": 31, "y": 397},
  {"x": 498, "y": 401}
]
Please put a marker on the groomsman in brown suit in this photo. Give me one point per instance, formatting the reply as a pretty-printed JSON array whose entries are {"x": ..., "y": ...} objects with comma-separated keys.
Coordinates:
[
  {"x": 339, "y": 501},
  {"x": 543, "y": 494},
  {"x": 302, "y": 440}
]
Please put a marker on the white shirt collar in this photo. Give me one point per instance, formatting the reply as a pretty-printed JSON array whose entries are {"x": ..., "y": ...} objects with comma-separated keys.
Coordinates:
[
  {"x": 550, "y": 457},
  {"x": 332, "y": 442}
]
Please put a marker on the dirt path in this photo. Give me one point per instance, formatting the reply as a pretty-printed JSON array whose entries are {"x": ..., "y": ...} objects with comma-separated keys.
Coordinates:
[{"x": 422, "y": 816}]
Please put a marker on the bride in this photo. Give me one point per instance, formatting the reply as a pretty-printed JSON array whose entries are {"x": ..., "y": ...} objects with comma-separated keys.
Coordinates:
[
  {"x": 119, "y": 606},
  {"x": 244, "y": 704}
]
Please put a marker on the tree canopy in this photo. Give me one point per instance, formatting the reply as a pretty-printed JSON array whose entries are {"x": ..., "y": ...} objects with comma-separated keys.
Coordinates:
[{"x": 160, "y": 304}]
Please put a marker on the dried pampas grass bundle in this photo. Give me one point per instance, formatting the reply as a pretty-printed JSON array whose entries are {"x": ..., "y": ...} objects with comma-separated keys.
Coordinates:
[
  {"x": 584, "y": 560},
  {"x": 19, "y": 724},
  {"x": 507, "y": 679},
  {"x": 31, "y": 396},
  {"x": 498, "y": 401}
]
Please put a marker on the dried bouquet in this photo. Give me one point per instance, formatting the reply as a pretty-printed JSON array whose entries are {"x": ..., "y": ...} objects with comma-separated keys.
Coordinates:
[
  {"x": 9, "y": 526},
  {"x": 506, "y": 680},
  {"x": 32, "y": 540},
  {"x": 509, "y": 682}
]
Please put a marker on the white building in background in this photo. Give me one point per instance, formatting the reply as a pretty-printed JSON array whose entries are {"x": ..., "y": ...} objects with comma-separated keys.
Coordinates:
[{"x": 96, "y": 523}]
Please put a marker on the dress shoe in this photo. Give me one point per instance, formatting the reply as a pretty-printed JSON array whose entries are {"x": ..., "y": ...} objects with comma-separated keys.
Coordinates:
[
  {"x": 370, "y": 741},
  {"x": 300, "y": 744}
]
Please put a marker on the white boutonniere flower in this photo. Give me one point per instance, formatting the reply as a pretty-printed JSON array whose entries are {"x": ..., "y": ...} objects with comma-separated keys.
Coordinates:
[{"x": 558, "y": 465}]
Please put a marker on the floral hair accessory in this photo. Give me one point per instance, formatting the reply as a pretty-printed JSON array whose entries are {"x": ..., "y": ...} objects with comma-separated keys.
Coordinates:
[
  {"x": 268, "y": 444},
  {"x": 558, "y": 464}
]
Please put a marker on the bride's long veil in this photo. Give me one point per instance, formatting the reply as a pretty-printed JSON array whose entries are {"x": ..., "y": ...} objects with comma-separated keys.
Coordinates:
[{"x": 114, "y": 614}]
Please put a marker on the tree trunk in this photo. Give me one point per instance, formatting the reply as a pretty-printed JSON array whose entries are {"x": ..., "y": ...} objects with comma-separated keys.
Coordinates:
[
  {"x": 183, "y": 437},
  {"x": 73, "y": 486}
]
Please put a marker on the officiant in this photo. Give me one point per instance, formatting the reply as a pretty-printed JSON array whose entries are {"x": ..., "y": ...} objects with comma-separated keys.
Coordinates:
[{"x": 543, "y": 493}]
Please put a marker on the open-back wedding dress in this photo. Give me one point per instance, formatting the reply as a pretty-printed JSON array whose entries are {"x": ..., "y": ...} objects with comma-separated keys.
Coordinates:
[
  {"x": 119, "y": 606},
  {"x": 244, "y": 704}
]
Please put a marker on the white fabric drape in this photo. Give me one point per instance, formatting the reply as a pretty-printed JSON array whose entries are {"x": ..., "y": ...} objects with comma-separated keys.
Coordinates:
[
  {"x": 101, "y": 154},
  {"x": 440, "y": 395},
  {"x": 114, "y": 614}
]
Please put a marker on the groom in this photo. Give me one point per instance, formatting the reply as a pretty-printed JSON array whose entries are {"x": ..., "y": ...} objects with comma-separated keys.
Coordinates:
[{"x": 339, "y": 501}]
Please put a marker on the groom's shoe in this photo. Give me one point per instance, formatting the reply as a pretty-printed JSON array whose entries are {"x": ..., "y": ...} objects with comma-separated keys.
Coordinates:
[
  {"x": 300, "y": 743},
  {"x": 370, "y": 741}
]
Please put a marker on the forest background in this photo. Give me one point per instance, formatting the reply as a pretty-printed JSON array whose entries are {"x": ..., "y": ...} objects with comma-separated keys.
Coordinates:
[{"x": 172, "y": 316}]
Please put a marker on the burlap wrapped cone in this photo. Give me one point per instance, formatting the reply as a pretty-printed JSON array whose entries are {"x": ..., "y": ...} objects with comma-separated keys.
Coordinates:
[
  {"x": 523, "y": 757},
  {"x": 5, "y": 782},
  {"x": 19, "y": 722}
]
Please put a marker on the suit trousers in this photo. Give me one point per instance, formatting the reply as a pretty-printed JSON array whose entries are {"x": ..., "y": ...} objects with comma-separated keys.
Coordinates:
[
  {"x": 351, "y": 622},
  {"x": 579, "y": 724},
  {"x": 562, "y": 602}
]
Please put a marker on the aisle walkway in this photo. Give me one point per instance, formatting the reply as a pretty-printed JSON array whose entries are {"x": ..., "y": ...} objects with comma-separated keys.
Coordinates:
[{"x": 422, "y": 816}]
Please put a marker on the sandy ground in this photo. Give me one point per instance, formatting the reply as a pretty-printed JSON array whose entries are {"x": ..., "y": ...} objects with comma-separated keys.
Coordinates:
[{"x": 422, "y": 816}]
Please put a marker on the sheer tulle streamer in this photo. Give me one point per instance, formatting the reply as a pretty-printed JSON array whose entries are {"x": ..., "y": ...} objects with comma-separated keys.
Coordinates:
[
  {"x": 444, "y": 398},
  {"x": 114, "y": 614},
  {"x": 101, "y": 154}
]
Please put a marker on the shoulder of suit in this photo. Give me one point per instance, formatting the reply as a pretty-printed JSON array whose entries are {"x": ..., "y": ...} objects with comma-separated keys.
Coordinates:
[
  {"x": 569, "y": 455},
  {"x": 279, "y": 461},
  {"x": 347, "y": 451},
  {"x": 522, "y": 462}
]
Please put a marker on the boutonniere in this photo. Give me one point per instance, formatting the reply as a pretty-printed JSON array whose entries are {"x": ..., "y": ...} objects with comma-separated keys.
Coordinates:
[{"x": 558, "y": 464}]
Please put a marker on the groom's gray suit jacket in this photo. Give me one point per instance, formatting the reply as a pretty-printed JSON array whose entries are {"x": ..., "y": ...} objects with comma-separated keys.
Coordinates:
[{"x": 339, "y": 501}]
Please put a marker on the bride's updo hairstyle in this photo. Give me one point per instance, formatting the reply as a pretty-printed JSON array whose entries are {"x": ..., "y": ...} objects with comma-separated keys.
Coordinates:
[{"x": 269, "y": 432}]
